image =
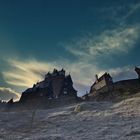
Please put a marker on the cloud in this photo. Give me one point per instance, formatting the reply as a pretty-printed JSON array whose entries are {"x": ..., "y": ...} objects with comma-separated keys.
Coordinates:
[
  {"x": 25, "y": 73},
  {"x": 120, "y": 14},
  {"x": 123, "y": 73},
  {"x": 7, "y": 93},
  {"x": 133, "y": 8},
  {"x": 109, "y": 42}
]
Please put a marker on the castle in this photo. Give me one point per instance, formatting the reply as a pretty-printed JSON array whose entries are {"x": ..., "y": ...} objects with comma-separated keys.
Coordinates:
[
  {"x": 55, "y": 85},
  {"x": 104, "y": 86},
  {"x": 104, "y": 81}
]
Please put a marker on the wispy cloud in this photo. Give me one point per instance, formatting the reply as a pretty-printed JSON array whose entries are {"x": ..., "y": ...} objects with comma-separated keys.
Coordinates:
[
  {"x": 123, "y": 73},
  {"x": 7, "y": 93},
  {"x": 113, "y": 41},
  {"x": 120, "y": 14},
  {"x": 133, "y": 8},
  {"x": 25, "y": 73}
]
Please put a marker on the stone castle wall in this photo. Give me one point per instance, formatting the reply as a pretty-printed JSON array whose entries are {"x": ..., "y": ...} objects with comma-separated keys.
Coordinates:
[
  {"x": 132, "y": 84},
  {"x": 100, "y": 84},
  {"x": 124, "y": 85},
  {"x": 113, "y": 90}
]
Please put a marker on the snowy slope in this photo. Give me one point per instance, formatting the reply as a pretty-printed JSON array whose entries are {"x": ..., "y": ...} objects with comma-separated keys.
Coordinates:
[{"x": 93, "y": 121}]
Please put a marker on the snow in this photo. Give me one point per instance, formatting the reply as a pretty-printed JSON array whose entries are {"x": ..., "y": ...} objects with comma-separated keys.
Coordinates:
[{"x": 93, "y": 121}]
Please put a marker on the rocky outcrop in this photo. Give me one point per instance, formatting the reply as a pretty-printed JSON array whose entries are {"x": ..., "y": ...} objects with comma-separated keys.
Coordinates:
[{"x": 82, "y": 121}]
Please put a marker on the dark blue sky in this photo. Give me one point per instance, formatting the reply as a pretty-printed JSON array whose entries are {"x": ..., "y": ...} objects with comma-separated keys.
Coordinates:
[{"x": 83, "y": 36}]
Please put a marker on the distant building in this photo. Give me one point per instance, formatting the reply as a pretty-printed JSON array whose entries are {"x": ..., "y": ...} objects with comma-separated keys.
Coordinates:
[
  {"x": 102, "y": 84},
  {"x": 137, "y": 71},
  {"x": 55, "y": 85}
]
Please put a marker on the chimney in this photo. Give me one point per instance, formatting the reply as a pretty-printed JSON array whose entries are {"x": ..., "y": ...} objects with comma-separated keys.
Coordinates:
[{"x": 96, "y": 77}]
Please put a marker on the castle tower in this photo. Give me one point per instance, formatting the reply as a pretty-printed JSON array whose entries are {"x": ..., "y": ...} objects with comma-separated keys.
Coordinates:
[
  {"x": 62, "y": 72},
  {"x": 137, "y": 71}
]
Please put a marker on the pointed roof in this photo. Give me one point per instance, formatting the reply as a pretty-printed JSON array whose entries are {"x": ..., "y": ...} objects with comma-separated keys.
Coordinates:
[
  {"x": 68, "y": 78},
  {"x": 55, "y": 70},
  {"x": 10, "y": 101},
  {"x": 137, "y": 71},
  {"x": 62, "y": 70},
  {"x": 105, "y": 75}
]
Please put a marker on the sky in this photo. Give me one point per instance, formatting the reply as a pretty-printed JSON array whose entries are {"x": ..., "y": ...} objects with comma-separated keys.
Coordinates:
[{"x": 85, "y": 37}]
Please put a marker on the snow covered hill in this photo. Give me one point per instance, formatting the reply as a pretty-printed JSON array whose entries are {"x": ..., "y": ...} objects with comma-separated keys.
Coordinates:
[{"x": 83, "y": 121}]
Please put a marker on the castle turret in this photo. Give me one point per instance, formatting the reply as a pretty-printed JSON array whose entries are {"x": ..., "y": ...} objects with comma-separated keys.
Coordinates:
[
  {"x": 55, "y": 72},
  {"x": 62, "y": 72},
  {"x": 47, "y": 75},
  {"x": 137, "y": 71}
]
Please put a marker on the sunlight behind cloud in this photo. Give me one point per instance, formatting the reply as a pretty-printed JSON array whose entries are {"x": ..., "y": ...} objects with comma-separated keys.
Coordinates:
[
  {"x": 7, "y": 93},
  {"x": 25, "y": 73}
]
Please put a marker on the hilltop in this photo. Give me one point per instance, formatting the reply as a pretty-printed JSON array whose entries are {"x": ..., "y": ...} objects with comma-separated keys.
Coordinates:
[
  {"x": 78, "y": 121},
  {"x": 46, "y": 113}
]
